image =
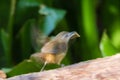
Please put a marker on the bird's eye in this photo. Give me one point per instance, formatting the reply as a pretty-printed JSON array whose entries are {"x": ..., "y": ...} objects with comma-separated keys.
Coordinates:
[{"x": 66, "y": 35}]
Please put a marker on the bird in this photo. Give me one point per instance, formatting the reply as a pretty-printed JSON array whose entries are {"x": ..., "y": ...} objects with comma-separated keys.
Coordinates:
[{"x": 55, "y": 50}]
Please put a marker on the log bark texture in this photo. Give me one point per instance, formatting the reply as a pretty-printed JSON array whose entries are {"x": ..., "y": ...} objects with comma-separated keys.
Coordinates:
[{"x": 107, "y": 68}]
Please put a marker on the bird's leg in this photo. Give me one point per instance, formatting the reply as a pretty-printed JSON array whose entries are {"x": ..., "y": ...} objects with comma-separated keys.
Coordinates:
[{"x": 43, "y": 67}]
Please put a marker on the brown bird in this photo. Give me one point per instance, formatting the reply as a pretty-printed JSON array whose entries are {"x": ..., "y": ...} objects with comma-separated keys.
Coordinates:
[{"x": 55, "y": 50}]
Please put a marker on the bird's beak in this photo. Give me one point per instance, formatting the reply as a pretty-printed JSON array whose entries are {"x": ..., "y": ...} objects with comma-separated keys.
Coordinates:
[{"x": 73, "y": 34}]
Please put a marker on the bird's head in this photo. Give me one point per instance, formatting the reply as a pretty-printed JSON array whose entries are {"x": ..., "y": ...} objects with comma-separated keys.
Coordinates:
[{"x": 66, "y": 36}]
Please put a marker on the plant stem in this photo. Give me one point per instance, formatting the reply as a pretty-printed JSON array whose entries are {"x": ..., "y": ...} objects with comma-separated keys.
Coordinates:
[
  {"x": 10, "y": 32},
  {"x": 90, "y": 27}
]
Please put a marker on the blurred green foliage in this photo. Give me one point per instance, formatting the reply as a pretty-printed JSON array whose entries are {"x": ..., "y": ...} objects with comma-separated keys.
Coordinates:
[{"x": 97, "y": 22}]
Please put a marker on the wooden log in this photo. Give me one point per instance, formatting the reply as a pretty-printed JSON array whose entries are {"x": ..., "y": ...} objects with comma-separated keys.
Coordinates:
[
  {"x": 107, "y": 68},
  {"x": 2, "y": 75}
]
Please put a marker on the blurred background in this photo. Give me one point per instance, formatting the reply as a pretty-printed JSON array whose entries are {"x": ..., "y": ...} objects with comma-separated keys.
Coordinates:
[{"x": 25, "y": 25}]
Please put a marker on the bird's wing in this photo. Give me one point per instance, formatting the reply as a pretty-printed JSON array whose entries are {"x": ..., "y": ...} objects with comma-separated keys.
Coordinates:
[
  {"x": 54, "y": 47},
  {"x": 38, "y": 38}
]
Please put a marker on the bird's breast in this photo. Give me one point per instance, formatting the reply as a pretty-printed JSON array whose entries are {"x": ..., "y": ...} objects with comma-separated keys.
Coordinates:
[{"x": 55, "y": 48}]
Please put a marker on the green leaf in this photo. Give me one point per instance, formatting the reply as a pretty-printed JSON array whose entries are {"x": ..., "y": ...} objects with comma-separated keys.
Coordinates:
[
  {"x": 28, "y": 3},
  {"x": 115, "y": 33},
  {"x": 50, "y": 19},
  {"x": 106, "y": 46},
  {"x": 111, "y": 20},
  {"x": 6, "y": 69},
  {"x": 26, "y": 66},
  {"x": 25, "y": 37},
  {"x": 6, "y": 46},
  {"x": 25, "y": 10}
]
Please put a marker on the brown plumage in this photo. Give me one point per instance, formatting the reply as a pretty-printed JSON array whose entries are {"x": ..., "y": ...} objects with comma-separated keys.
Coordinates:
[{"x": 55, "y": 50}]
